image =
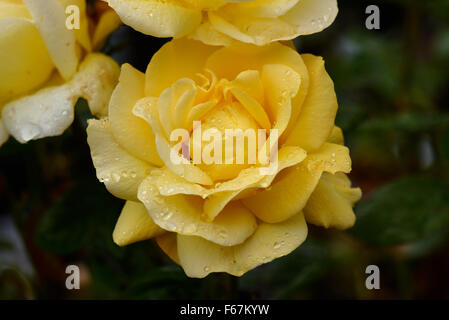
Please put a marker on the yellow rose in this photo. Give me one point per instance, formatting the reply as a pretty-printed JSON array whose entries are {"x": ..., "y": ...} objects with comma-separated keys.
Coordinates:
[
  {"x": 224, "y": 217},
  {"x": 46, "y": 66},
  {"x": 221, "y": 22}
]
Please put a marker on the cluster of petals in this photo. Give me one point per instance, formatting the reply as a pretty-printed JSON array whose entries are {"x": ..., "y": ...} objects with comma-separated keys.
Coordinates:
[{"x": 224, "y": 217}]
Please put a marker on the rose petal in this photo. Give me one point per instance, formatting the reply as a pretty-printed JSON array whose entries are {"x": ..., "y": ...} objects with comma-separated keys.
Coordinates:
[
  {"x": 282, "y": 84},
  {"x": 311, "y": 16},
  {"x": 49, "y": 111},
  {"x": 292, "y": 188},
  {"x": 4, "y": 135},
  {"x": 24, "y": 60},
  {"x": 157, "y": 18},
  {"x": 175, "y": 60},
  {"x": 229, "y": 62},
  {"x": 199, "y": 257},
  {"x": 131, "y": 132},
  {"x": 182, "y": 214},
  {"x": 82, "y": 35},
  {"x": 261, "y": 8},
  {"x": 109, "y": 21},
  {"x": 14, "y": 10},
  {"x": 207, "y": 34},
  {"x": 316, "y": 119},
  {"x": 253, "y": 107},
  {"x": 120, "y": 171},
  {"x": 336, "y": 136},
  {"x": 50, "y": 19},
  {"x": 167, "y": 242},
  {"x": 330, "y": 204},
  {"x": 146, "y": 108},
  {"x": 134, "y": 224},
  {"x": 169, "y": 184}
]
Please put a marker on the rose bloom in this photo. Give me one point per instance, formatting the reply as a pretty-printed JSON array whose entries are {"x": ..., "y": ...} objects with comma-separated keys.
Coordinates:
[
  {"x": 45, "y": 67},
  {"x": 224, "y": 217},
  {"x": 221, "y": 22}
]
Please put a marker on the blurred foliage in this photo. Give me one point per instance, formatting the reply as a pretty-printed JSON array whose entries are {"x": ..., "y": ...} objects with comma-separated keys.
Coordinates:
[
  {"x": 392, "y": 89},
  {"x": 423, "y": 211}
]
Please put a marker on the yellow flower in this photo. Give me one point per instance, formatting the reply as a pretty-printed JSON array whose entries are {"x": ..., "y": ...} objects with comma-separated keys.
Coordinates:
[
  {"x": 224, "y": 217},
  {"x": 46, "y": 66},
  {"x": 221, "y": 22}
]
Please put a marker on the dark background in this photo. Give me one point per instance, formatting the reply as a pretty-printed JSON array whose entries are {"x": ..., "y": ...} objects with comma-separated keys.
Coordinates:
[{"x": 393, "y": 94}]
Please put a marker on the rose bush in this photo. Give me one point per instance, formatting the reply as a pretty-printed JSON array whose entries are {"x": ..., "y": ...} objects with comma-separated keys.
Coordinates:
[
  {"x": 221, "y": 22},
  {"x": 45, "y": 67},
  {"x": 224, "y": 218}
]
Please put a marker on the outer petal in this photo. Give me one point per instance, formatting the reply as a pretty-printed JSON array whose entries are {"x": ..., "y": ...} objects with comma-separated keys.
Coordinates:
[
  {"x": 330, "y": 204},
  {"x": 336, "y": 136},
  {"x": 24, "y": 60},
  {"x": 258, "y": 31},
  {"x": 311, "y": 16},
  {"x": 131, "y": 132},
  {"x": 292, "y": 188},
  {"x": 120, "y": 171},
  {"x": 175, "y": 60},
  {"x": 49, "y": 111},
  {"x": 135, "y": 224},
  {"x": 182, "y": 214},
  {"x": 199, "y": 257},
  {"x": 157, "y": 18},
  {"x": 316, "y": 120},
  {"x": 49, "y": 18}
]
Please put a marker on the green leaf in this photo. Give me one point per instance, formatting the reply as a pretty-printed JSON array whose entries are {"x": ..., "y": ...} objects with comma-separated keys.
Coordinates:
[
  {"x": 76, "y": 218},
  {"x": 403, "y": 211}
]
